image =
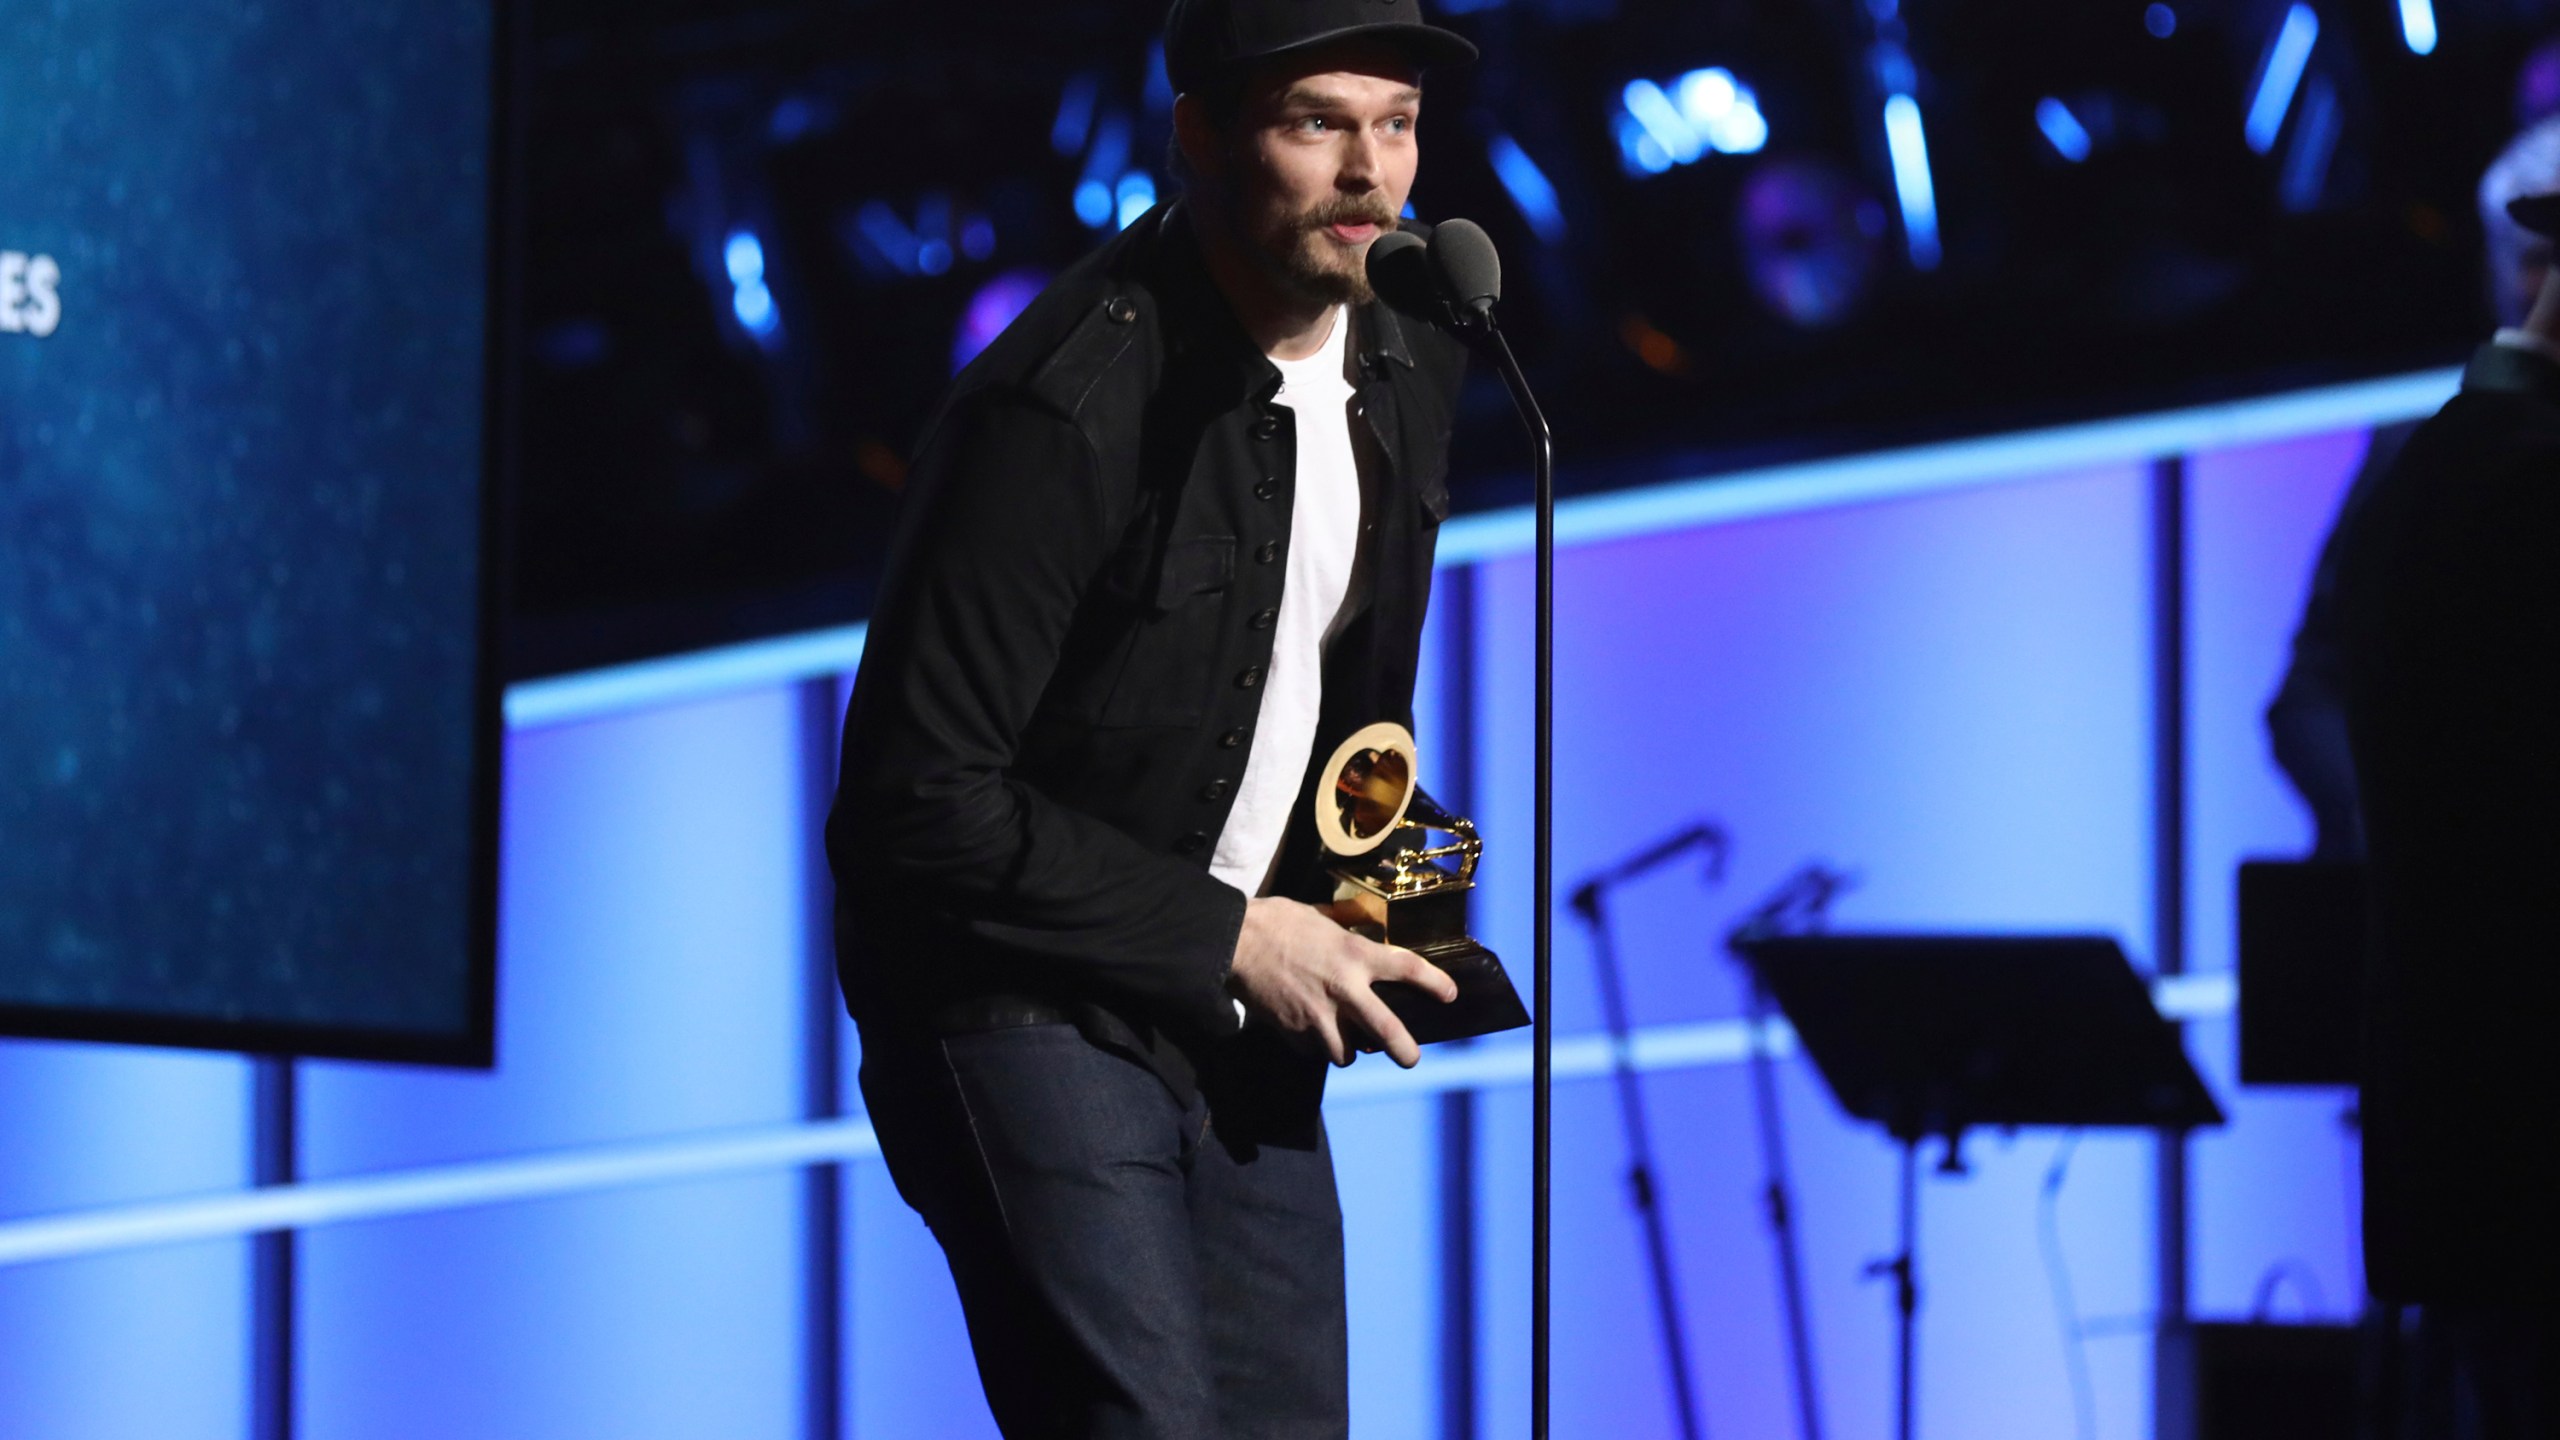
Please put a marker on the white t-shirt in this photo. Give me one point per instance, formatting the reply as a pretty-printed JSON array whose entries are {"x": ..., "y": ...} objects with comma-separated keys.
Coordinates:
[{"x": 1318, "y": 595}]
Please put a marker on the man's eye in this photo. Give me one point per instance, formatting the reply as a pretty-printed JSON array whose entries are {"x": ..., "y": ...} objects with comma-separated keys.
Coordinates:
[
  {"x": 1310, "y": 124},
  {"x": 1400, "y": 124}
]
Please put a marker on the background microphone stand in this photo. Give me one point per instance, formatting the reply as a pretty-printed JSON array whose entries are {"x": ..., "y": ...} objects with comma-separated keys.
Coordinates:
[
  {"x": 1799, "y": 906},
  {"x": 1644, "y": 1189}
]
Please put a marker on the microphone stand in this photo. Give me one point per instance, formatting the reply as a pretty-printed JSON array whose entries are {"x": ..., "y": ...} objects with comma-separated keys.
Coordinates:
[
  {"x": 1487, "y": 337},
  {"x": 1465, "y": 301},
  {"x": 1799, "y": 906},
  {"x": 1590, "y": 902}
]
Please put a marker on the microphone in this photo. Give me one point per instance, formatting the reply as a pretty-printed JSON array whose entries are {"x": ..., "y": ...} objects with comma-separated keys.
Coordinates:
[
  {"x": 1400, "y": 272},
  {"x": 1470, "y": 270},
  {"x": 1705, "y": 835}
]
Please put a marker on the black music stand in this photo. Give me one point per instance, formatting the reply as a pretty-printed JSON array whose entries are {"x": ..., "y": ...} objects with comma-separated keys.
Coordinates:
[{"x": 1932, "y": 1035}]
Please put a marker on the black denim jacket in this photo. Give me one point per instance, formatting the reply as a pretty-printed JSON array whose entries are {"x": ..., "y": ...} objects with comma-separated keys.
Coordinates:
[{"x": 1063, "y": 671}]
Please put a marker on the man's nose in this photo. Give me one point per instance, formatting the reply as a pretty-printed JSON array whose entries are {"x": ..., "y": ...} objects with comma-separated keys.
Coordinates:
[{"x": 1359, "y": 171}]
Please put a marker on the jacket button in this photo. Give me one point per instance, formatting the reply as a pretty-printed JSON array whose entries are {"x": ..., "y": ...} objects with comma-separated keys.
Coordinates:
[
  {"x": 1232, "y": 738},
  {"x": 1265, "y": 619},
  {"x": 1121, "y": 310},
  {"x": 1267, "y": 551},
  {"x": 1266, "y": 490},
  {"x": 1214, "y": 791},
  {"x": 1193, "y": 843},
  {"x": 1249, "y": 678},
  {"x": 1266, "y": 428}
]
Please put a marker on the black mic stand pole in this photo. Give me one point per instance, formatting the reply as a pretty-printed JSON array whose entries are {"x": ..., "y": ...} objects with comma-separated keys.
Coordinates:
[
  {"x": 1542, "y": 469},
  {"x": 1469, "y": 283},
  {"x": 1798, "y": 907}
]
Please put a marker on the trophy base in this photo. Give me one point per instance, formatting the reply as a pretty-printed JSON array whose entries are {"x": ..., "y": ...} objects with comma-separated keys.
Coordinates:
[{"x": 1486, "y": 1001}]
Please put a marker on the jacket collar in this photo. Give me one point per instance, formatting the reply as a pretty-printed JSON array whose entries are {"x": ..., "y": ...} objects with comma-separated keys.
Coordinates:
[
  {"x": 1205, "y": 338},
  {"x": 2514, "y": 370}
]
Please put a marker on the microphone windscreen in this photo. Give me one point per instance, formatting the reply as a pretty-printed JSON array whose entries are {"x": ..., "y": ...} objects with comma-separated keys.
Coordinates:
[
  {"x": 1470, "y": 269},
  {"x": 1399, "y": 267}
]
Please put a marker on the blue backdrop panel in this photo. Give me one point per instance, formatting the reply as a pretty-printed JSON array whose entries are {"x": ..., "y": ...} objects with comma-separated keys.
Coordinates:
[
  {"x": 240, "y": 507},
  {"x": 2278, "y": 1187},
  {"x": 652, "y": 981},
  {"x": 912, "y": 1373},
  {"x": 1385, "y": 1166},
  {"x": 1949, "y": 695},
  {"x": 152, "y": 1342},
  {"x": 663, "y": 1312}
]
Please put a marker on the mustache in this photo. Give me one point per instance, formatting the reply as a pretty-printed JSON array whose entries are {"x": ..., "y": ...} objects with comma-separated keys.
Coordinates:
[{"x": 1349, "y": 211}]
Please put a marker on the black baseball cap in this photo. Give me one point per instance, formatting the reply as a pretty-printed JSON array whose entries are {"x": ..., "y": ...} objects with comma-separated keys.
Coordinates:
[
  {"x": 2537, "y": 213},
  {"x": 1208, "y": 40}
]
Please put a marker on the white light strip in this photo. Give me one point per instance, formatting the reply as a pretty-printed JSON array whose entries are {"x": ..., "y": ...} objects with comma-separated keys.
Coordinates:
[
  {"x": 1908, "y": 146},
  {"x": 2418, "y": 26},
  {"x": 698, "y": 675},
  {"x": 1672, "y": 505},
  {"x": 2283, "y": 75},
  {"x": 1495, "y": 1064},
  {"x": 442, "y": 1187},
  {"x": 1955, "y": 465}
]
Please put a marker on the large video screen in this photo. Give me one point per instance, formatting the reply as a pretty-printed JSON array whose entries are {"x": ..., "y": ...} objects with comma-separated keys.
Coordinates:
[
  {"x": 247, "y": 735},
  {"x": 763, "y": 232}
]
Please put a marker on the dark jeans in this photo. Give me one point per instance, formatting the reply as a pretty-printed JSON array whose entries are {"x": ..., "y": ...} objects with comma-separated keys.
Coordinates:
[{"x": 1127, "y": 1274}]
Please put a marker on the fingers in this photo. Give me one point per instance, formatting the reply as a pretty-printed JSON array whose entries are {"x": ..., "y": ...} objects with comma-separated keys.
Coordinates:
[
  {"x": 1328, "y": 1031},
  {"x": 1413, "y": 970},
  {"x": 1382, "y": 1024}
]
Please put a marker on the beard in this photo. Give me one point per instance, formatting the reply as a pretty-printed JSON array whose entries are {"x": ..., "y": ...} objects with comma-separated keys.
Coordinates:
[{"x": 1294, "y": 248}]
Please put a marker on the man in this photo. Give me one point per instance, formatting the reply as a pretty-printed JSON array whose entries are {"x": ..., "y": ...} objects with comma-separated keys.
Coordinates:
[
  {"x": 1169, "y": 541},
  {"x": 2448, "y": 598},
  {"x": 2306, "y": 722}
]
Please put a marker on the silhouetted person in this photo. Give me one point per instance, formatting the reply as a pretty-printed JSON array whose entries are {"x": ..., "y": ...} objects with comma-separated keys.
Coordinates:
[
  {"x": 2448, "y": 604},
  {"x": 2306, "y": 722}
]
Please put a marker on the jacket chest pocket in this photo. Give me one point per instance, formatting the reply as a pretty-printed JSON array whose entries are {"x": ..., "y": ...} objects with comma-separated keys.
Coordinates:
[{"x": 1167, "y": 609}]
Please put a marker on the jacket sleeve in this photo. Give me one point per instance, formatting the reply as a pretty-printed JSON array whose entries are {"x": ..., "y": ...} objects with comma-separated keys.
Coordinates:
[{"x": 1007, "y": 526}]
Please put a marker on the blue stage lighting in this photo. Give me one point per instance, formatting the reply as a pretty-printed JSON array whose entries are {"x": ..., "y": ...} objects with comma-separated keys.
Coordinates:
[
  {"x": 1093, "y": 203},
  {"x": 1074, "y": 124},
  {"x": 744, "y": 256},
  {"x": 1911, "y": 183},
  {"x": 750, "y": 300},
  {"x": 888, "y": 237},
  {"x": 993, "y": 308},
  {"x": 1642, "y": 153},
  {"x": 2418, "y": 26},
  {"x": 2305, "y": 177},
  {"x": 1135, "y": 196},
  {"x": 1529, "y": 188},
  {"x": 2070, "y": 138},
  {"x": 2160, "y": 20},
  {"x": 1105, "y": 166},
  {"x": 2281, "y": 75},
  {"x": 978, "y": 237},
  {"x": 1663, "y": 121},
  {"x": 1159, "y": 97},
  {"x": 1706, "y": 97}
]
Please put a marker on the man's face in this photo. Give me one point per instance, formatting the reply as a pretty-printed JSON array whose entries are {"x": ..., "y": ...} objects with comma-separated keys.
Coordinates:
[{"x": 1322, "y": 162}]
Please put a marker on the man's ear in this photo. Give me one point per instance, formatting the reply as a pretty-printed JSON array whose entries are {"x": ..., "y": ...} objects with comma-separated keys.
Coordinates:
[{"x": 1203, "y": 149}]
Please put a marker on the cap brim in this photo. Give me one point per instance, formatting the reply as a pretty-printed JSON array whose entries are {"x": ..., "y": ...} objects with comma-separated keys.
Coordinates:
[
  {"x": 2537, "y": 213},
  {"x": 1429, "y": 45}
]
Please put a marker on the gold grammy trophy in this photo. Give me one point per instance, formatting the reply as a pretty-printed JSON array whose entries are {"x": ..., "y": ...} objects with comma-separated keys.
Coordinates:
[{"x": 1391, "y": 883}]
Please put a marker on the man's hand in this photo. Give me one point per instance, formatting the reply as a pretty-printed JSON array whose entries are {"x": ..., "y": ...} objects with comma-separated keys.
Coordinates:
[{"x": 1298, "y": 966}]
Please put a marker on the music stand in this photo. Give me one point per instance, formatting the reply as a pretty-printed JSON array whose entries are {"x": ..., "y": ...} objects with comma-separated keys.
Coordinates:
[{"x": 1932, "y": 1035}]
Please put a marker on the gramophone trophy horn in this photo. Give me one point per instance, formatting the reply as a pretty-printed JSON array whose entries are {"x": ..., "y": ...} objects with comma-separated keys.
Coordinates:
[{"x": 1408, "y": 885}]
